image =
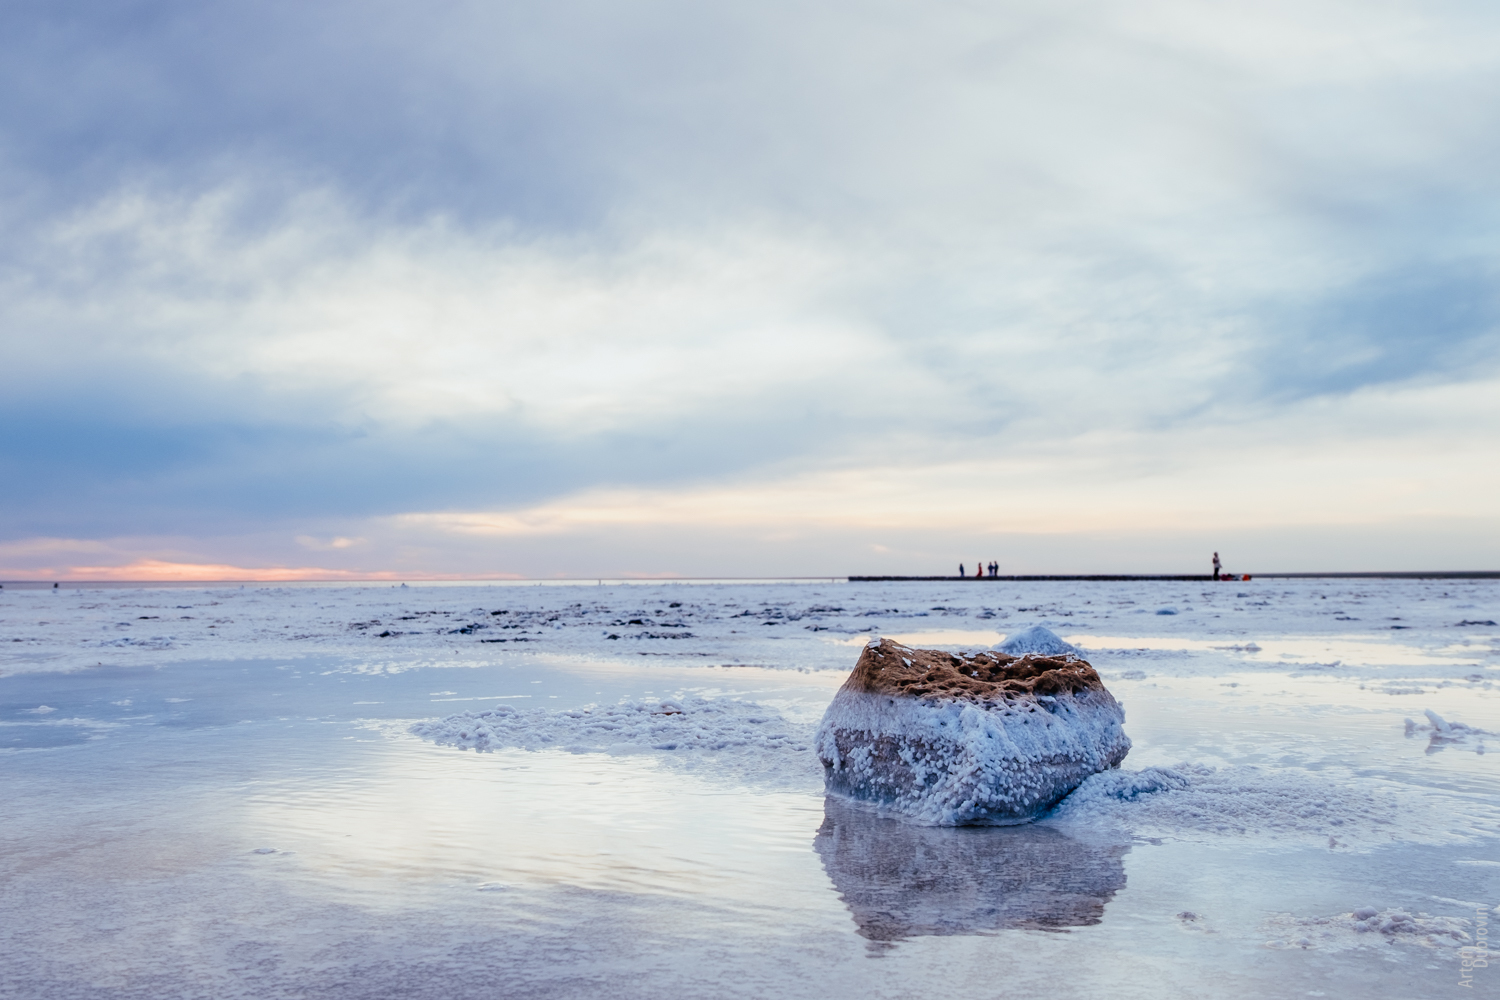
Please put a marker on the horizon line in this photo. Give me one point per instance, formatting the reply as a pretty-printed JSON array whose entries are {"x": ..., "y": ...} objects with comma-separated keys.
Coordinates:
[{"x": 63, "y": 582}]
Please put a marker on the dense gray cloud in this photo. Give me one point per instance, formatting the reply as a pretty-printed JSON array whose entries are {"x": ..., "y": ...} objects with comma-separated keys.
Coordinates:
[{"x": 273, "y": 265}]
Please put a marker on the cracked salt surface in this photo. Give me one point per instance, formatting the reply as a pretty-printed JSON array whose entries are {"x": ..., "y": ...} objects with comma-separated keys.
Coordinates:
[{"x": 641, "y": 820}]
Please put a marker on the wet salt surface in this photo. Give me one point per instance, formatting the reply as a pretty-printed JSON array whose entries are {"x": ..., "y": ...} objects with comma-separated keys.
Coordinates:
[{"x": 196, "y": 825}]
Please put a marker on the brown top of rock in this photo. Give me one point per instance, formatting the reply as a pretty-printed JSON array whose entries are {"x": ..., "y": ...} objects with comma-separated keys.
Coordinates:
[{"x": 891, "y": 668}]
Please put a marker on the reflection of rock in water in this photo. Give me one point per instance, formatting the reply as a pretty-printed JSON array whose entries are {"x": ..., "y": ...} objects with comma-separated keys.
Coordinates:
[{"x": 902, "y": 881}]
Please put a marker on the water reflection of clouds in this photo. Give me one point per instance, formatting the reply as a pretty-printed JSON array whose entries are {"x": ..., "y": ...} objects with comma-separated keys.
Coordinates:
[{"x": 903, "y": 881}]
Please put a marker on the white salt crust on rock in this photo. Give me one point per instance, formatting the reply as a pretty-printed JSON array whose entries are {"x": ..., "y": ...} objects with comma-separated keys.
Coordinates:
[
  {"x": 1036, "y": 639},
  {"x": 950, "y": 740}
]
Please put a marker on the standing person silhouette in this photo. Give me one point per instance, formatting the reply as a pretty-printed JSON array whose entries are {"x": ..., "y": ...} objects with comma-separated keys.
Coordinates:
[
  {"x": 1216, "y": 565},
  {"x": 960, "y": 569}
]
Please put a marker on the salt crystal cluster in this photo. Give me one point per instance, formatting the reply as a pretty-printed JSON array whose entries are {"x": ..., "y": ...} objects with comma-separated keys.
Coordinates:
[{"x": 948, "y": 740}]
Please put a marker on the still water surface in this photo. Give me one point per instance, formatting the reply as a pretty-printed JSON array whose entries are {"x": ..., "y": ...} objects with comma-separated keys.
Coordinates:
[{"x": 271, "y": 829}]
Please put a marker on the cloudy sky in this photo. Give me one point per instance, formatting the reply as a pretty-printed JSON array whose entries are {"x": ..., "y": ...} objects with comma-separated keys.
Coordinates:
[{"x": 569, "y": 288}]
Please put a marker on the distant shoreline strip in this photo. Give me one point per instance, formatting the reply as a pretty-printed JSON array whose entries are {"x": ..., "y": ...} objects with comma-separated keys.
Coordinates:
[
  {"x": 1201, "y": 578},
  {"x": 638, "y": 581}
]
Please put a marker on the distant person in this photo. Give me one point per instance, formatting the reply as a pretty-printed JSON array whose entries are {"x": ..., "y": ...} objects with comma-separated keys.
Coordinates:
[
  {"x": 978, "y": 570},
  {"x": 1217, "y": 565},
  {"x": 994, "y": 568},
  {"x": 960, "y": 569}
]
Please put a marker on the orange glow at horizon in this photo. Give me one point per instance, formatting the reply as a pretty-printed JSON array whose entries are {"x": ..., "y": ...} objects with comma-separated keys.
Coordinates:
[{"x": 146, "y": 570}]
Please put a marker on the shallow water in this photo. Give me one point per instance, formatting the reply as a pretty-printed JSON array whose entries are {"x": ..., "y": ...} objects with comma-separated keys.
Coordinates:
[{"x": 269, "y": 827}]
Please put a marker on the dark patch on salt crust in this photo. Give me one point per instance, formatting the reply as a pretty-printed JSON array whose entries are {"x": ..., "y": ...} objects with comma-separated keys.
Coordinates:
[{"x": 934, "y": 674}]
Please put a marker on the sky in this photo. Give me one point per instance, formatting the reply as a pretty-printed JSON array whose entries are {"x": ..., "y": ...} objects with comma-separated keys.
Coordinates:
[{"x": 570, "y": 289}]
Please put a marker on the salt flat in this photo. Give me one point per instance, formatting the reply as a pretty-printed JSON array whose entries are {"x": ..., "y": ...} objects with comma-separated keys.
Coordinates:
[{"x": 268, "y": 791}]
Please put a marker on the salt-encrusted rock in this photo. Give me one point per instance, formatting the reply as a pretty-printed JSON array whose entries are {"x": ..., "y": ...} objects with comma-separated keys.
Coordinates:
[{"x": 948, "y": 740}]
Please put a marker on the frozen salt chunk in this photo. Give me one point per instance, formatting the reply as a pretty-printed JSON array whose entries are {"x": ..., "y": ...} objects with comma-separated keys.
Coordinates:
[
  {"x": 1441, "y": 733},
  {"x": 1036, "y": 639},
  {"x": 1166, "y": 611}
]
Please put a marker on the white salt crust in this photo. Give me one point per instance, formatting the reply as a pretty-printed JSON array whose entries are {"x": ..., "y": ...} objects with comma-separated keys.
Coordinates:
[
  {"x": 380, "y": 629},
  {"x": 738, "y": 739},
  {"x": 1268, "y": 806},
  {"x": 742, "y": 741},
  {"x": 1366, "y": 928},
  {"x": 1036, "y": 639},
  {"x": 950, "y": 763}
]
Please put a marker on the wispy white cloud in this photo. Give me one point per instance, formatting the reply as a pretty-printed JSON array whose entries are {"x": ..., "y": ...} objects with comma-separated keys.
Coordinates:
[{"x": 547, "y": 271}]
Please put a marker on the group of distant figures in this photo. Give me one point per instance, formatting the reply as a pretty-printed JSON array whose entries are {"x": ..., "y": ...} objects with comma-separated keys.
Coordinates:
[{"x": 992, "y": 568}]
